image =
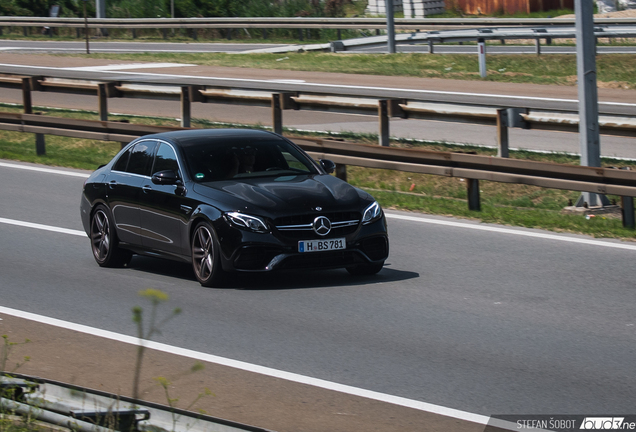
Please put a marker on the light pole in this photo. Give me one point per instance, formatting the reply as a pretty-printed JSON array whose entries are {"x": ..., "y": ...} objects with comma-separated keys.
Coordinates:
[{"x": 588, "y": 96}]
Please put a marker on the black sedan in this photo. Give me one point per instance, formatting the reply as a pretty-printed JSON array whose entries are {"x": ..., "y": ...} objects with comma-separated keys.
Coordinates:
[{"x": 230, "y": 200}]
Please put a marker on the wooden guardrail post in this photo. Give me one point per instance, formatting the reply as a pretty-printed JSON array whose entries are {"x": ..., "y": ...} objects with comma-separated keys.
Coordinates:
[
  {"x": 26, "y": 96},
  {"x": 281, "y": 102},
  {"x": 472, "y": 186},
  {"x": 502, "y": 133},
  {"x": 341, "y": 172},
  {"x": 383, "y": 118},
  {"x": 185, "y": 107},
  {"x": 102, "y": 96},
  {"x": 40, "y": 144},
  {"x": 627, "y": 207},
  {"x": 277, "y": 113}
]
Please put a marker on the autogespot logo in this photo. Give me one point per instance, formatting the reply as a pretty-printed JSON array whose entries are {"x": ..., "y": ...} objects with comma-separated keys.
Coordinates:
[{"x": 322, "y": 226}]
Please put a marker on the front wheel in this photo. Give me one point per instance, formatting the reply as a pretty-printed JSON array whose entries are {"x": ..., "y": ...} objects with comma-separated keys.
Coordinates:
[
  {"x": 104, "y": 241},
  {"x": 206, "y": 260},
  {"x": 365, "y": 269}
]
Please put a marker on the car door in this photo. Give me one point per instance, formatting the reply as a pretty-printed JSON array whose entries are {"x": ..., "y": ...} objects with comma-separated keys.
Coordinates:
[
  {"x": 165, "y": 209},
  {"x": 124, "y": 187}
]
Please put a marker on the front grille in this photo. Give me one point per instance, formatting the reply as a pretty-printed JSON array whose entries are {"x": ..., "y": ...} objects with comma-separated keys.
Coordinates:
[
  {"x": 299, "y": 227},
  {"x": 375, "y": 248}
]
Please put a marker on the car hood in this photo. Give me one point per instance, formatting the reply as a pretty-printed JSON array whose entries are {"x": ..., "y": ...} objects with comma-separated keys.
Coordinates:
[{"x": 273, "y": 196}]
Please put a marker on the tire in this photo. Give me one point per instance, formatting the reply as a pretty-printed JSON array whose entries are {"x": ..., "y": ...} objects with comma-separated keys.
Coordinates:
[
  {"x": 104, "y": 242},
  {"x": 365, "y": 269},
  {"x": 206, "y": 260}
]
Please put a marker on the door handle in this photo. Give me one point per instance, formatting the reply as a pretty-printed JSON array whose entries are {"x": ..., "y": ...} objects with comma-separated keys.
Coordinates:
[
  {"x": 112, "y": 184},
  {"x": 146, "y": 188}
]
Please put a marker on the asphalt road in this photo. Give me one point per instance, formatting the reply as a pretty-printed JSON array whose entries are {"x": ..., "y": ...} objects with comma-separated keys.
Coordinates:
[
  {"x": 504, "y": 94},
  {"x": 503, "y": 320}
]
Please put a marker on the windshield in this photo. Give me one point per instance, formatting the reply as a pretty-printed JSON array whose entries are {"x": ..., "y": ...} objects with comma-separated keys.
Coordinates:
[{"x": 213, "y": 161}]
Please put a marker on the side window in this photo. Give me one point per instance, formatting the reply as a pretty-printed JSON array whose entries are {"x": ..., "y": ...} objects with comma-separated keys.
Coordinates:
[
  {"x": 122, "y": 162},
  {"x": 166, "y": 159},
  {"x": 141, "y": 158}
]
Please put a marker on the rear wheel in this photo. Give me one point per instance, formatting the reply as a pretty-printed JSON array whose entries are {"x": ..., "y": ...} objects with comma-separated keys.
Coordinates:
[
  {"x": 206, "y": 260},
  {"x": 365, "y": 269},
  {"x": 104, "y": 243}
]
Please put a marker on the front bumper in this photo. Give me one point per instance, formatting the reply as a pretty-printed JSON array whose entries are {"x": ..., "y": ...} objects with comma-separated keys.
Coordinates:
[{"x": 368, "y": 245}]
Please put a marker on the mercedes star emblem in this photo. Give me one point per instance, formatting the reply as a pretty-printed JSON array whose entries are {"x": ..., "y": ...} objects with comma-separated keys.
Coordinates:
[{"x": 322, "y": 226}]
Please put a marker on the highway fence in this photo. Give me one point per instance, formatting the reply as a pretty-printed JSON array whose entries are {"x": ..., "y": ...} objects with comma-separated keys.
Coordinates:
[
  {"x": 487, "y": 28},
  {"x": 471, "y": 167}
]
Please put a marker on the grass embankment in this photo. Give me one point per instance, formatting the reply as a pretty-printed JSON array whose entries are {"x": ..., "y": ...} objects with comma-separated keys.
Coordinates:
[
  {"x": 613, "y": 70},
  {"x": 509, "y": 204}
]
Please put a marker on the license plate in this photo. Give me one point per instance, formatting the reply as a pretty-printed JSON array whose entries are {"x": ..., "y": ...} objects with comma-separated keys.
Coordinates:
[{"x": 322, "y": 245}]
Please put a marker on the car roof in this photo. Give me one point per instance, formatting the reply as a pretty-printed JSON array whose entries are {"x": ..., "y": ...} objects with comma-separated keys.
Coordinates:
[{"x": 186, "y": 138}]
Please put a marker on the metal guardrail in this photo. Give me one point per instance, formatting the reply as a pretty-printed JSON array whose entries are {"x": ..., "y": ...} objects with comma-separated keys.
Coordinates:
[
  {"x": 298, "y": 22},
  {"x": 472, "y": 167},
  {"x": 500, "y": 117},
  {"x": 502, "y": 34},
  {"x": 586, "y": 179},
  {"x": 86, "y": 410}
]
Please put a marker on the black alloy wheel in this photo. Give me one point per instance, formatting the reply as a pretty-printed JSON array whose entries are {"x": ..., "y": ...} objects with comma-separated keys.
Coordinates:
[
  {"x": 104, "y": 245},
  {"x": 206, "y": 261}
]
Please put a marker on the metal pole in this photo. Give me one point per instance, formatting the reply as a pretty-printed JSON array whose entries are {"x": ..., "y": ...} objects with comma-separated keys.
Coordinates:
[
  {"x": 390, "y": 26},
  {"x": 88, "y": 51},
  {"x": 472, "y": 186},
  {"x": 481, "y": 51},
  {"x": 186, "y": 113},
  {"x": 588, "y": 97},
  {"x": 383, "y": 118},
  {"x": 277, "y": 114},
  {"x": 100, "y": 12},
  {"x": 502, "y": 133}
]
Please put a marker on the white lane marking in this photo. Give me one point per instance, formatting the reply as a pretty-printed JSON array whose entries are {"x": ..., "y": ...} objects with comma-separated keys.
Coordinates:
[
  {"x": 44, "y": 170},
  {"x": 42, "y": 227},
  {"x": 414, "y": 91},
  {"x": 589, "y": 242},
  {"x": 288, "y": 81},
  {"x": 275, "y": 373},
  {"x": 115, "y": 67}
]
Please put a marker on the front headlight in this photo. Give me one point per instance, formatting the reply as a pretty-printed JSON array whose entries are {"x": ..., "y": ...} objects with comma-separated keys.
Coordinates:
[
  {"x": 247, "y": 222},
  {"x": 372, "y": 213}
]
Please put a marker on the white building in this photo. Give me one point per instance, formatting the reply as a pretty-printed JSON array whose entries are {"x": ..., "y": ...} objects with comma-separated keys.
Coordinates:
[{"x": 411, "y": 8}]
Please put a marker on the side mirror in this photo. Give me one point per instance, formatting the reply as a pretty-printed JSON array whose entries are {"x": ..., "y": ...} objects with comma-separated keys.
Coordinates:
[
  {"x": 327, "y": 165},
  {"x": 167, "y": 177}
]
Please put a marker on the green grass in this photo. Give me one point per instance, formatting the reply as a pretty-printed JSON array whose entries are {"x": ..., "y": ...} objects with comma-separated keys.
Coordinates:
[{"x": 613, "y": 70}]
